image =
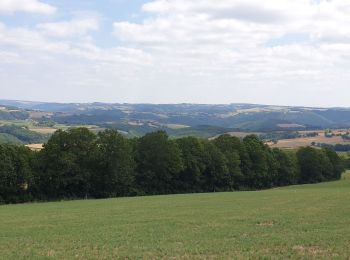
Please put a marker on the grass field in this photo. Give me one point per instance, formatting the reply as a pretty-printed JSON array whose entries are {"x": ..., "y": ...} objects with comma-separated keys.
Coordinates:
[{"x": 311, "y": 221}]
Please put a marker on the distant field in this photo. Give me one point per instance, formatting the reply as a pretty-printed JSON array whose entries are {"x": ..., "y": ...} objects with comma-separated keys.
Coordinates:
[
  {"x": 310, "y": 221},
  {"x": 175, "y": 126},
  {"x": 35, "y": 147},
  {"x": 24, "y": 123},
  {"x": 51, "y": 130},
  {"x": 31, "y": 125},
  {"x": 43, "y": 130},
  {"x": 306, "y": 141}
]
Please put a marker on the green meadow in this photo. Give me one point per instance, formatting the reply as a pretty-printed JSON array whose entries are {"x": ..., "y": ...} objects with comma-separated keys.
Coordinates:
[{"x": 309, "y": 221}]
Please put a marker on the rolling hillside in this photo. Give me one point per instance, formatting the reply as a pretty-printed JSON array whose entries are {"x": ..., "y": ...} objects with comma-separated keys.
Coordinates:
[{"x": 197, "y": 119}]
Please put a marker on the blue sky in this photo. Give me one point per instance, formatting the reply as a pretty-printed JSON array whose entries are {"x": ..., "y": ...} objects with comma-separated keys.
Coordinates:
[
  {"x": 107, "y": 11},
  {"x": 287, "y": 52}
]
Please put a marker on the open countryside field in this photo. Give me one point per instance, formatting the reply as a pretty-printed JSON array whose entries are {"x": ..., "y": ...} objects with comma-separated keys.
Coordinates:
[
  {"x": 310, "y": 221},
  {"x": 307, "y": 141},
  {"x": 43, "y": 130},
  {"x": 35, "y": 147}
]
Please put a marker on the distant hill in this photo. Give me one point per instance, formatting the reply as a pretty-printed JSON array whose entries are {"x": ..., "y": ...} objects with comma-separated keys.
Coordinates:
[
  {"x": 9, "y": 139},
  {"x": 12, "y": 113},
  {"x": 20, "y": 135},
  {"x": 198, "y": 119}
]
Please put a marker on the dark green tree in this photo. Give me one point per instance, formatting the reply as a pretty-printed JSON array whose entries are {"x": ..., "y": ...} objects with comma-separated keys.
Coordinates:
[
  {"x": 337, "y": 165},
  {"x": 78, "y": 164},
  {"x": 15, "y": 174},
  {"x": 192, "y": 150},
  {"x": 159, "y": 163},
  {"x": 259, "y": 176},
  {"x": 231, "y": 147},
  {"x": 114, "y": 173},
  {"x": 347, "y": 163},
  {"x": 287, "y": 168},
  {"x": 66, "y": 164},
  {"x": 216, "y": 176},
  {"x": 310, "y": 165}
]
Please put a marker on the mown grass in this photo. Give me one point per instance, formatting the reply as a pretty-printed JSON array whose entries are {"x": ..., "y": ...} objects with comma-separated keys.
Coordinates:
[{"x": 310, "y": 221}]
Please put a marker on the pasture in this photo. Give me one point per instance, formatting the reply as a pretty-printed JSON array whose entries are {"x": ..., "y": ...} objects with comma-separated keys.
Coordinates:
[{"x": 309, "y": 221}]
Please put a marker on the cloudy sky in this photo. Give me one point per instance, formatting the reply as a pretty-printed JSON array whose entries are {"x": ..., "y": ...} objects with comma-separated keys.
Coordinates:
[{"x": 286, "y": 52}]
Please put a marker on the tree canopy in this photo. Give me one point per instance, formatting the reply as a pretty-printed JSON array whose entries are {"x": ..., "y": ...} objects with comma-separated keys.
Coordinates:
[{"x": 78, "y": 163}]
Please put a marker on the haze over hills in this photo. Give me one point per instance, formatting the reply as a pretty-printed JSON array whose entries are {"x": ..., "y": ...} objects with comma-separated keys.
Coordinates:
[{"x": 180, "y": 119}]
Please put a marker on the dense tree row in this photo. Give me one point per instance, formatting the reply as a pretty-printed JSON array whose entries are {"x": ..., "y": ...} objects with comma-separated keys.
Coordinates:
[
  {"x": 347, "y": 163},
  {"x": 336, "y": 147},
  {"x": 80, "y": 164}
]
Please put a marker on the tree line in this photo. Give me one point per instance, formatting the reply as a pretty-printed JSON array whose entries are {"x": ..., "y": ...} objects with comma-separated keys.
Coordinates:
[
  {"x": 336, "y": 147},
  {"x": 80, "y": 164}
]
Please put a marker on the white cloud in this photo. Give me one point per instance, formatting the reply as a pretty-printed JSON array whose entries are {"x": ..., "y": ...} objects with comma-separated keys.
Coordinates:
[
  {"x": 7, "y": 57},
  {"x": 70, "y": 28},
  {"x": 245, "y": 21},
  {"x": 271, "y": 51},
  {"x": 233, "y": 43},
  {"x": 29, "y": 40},
  {"x": 231, "y": 36},
  {"x": 30, "y": 6},
  {"x": 39, "y": 44}
]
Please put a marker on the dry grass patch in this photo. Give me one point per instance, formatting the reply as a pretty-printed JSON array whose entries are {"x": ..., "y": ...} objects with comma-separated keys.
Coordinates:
[
  {"x": 35, "y": 147},
  {"x": 313, "y": 251}
]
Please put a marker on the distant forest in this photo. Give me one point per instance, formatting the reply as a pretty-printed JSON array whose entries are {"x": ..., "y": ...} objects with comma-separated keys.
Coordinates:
[
  {"x": 77, "y": 163},
  {"x": 336, "y": 147}
]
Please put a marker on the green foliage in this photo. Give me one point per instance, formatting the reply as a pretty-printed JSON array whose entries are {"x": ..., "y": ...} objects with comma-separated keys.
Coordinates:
[
  {"x": 336, "y": 147},
  {"x": 15, "y": 174},
  {"x": 23, "y": 134},
  {"x": 337, "y": 165},
  {"x": 258, "y": 153},
  {"x": 216, "y": 176},
  {"x": 13, "y": 115},
  {"x": 46, "y": 123},
  {"x": 114, "y": 165},
  {"x": 310, "y": 165},
  {"x": 347, "y": 163},
  {"x": 201, "y": 131},
  {"x": 9, "y": 139},
  {"x": 192, "y": 150},
  {"x": 231, "y": 147},
  {"x": 65, "y": 164},
  {"x": 280, "y": 135},
  {"x": 79, "y": 164},
  {"x": 158, "y": 163},
  {"x": 319, "y": 165},
  {"x": 288, "y": 171}
]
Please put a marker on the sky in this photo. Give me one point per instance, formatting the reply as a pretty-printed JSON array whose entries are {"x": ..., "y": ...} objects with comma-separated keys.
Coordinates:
[{"x": 278, "y": 52}]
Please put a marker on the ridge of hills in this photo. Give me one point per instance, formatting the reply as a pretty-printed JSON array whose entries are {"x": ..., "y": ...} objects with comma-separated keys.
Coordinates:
[{"x": 177, "y": 119}]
